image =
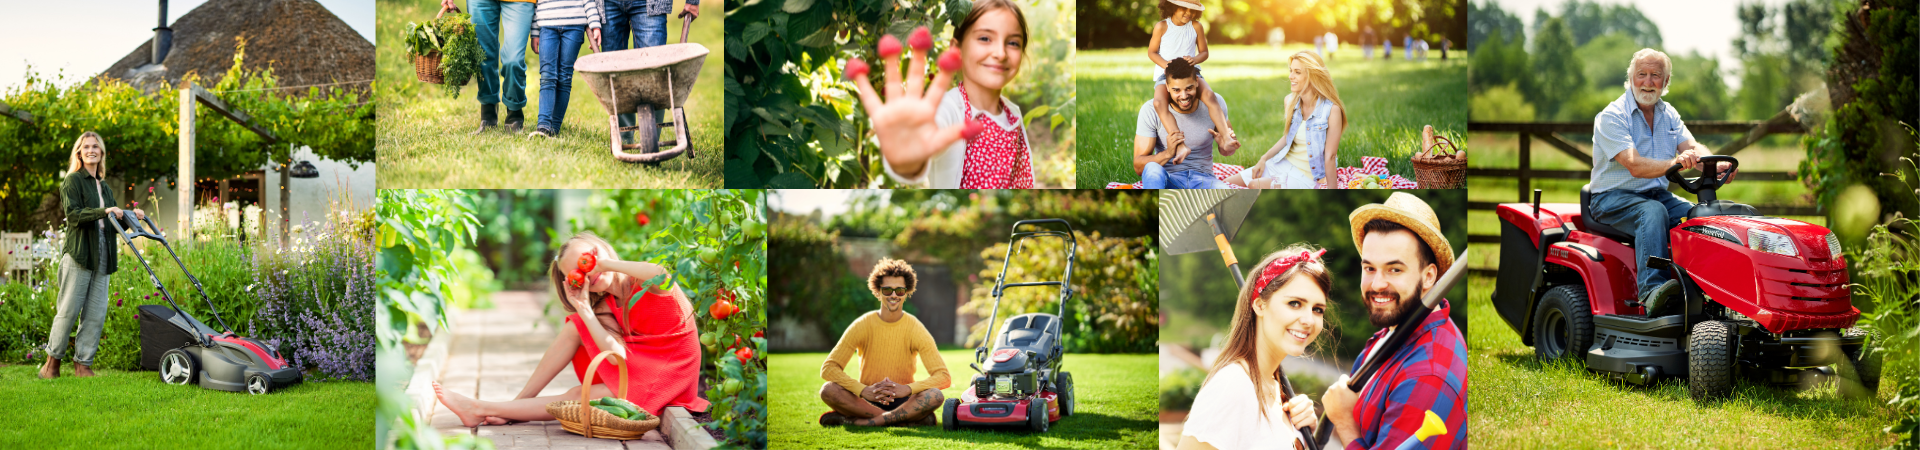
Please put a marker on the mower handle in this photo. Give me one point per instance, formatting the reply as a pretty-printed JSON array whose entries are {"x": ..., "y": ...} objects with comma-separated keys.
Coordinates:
[
  {"x": 1000, "y": 282},
  {"x": 1709, "y": 173}
]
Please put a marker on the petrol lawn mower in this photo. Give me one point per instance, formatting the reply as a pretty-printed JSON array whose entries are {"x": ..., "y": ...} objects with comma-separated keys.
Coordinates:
[
  {"x": 186, "y": 350},
  {"x": 1761, "y": 297},
  {"x": 1021, "y": 384}
]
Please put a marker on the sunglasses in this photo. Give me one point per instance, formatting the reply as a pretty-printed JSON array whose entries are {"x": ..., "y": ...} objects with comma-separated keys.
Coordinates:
[{"x": 893, "y": 290}]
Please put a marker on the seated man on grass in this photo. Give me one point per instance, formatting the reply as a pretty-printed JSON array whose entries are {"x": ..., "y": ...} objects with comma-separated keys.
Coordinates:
[
  {"x": 1162, "y": 166},
  {"x": 887, "y": 340}
]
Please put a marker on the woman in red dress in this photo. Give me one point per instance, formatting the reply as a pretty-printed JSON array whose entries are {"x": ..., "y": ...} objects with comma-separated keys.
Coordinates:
[{"x": 656, "y": 339}]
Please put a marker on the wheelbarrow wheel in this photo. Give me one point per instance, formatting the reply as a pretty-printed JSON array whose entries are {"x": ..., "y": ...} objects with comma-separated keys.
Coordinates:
[{"x": 646, "y": 137}]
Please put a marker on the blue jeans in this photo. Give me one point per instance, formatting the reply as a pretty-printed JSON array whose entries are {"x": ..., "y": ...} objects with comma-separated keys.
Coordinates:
[
  {"x": 1648, "y": 215},
  {"x": 1155, "y": 176},
  {"x": 625, "y": 16},
  {"x": 503, "y": 68},
  {"x": 559, "y": 47}
]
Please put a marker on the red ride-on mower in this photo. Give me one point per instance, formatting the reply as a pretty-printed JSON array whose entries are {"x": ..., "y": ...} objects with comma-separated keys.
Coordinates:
[
  {"x": 1022, "y": 384},
  {"x": 1762, "y": 297},
  {"x": 186, "y": 350}
]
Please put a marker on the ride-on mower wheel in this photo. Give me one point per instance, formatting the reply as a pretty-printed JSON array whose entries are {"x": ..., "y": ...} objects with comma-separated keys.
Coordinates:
[
  {"x": 948, "y": 417},
  {"x": 1562, "y": 324},
  {"x": 1037, "y": 414},
  {"x": 1863, "y": 379},
  {"x": 1710, "y": 360},
  {"x": 178, "y": 367},
  {"x": 258, "y": 384},
  {"x": 1065, "y": 386}
]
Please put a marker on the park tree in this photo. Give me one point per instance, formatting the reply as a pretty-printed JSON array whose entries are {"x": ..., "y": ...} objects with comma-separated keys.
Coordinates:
[{"x": 1556, "y": 71}]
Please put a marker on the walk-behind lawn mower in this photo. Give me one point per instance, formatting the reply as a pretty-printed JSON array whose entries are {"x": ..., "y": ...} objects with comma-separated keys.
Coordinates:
[
  {"x": 186, "y": 350},
  {"x": 1760, "y": 297},
  {"x": 1021, "y": 384}
]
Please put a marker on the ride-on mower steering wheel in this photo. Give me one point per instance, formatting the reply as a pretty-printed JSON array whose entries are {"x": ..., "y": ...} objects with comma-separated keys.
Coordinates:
[{"x": 1710, "y": 176}]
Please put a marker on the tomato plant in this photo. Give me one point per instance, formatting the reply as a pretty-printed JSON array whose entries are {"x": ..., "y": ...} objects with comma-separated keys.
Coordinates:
[{"x": 699, "y": 235}]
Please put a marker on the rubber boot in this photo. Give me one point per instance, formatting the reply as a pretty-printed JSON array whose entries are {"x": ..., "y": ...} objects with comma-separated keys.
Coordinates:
[
  {"x": 515, "y": 121},
  {"x": 1661, "y": 298},
  {"x": 488, "y": 112}
]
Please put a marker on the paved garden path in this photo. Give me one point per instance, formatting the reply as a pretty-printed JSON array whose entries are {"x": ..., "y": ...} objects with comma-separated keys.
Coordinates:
[{"x": 492, "y": 353}]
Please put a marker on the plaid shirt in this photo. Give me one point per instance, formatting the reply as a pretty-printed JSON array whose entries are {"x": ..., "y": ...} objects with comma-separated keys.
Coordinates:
[{"x": 1429, "y": 374}]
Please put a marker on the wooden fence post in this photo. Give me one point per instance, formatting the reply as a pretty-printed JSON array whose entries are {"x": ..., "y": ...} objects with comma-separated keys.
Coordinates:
[
  {"x": 185, "y": 178},
  {"x": 1526, "y": 165}
]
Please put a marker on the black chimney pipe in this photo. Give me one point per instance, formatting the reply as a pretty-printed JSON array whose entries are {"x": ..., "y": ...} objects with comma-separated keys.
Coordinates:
[{"x": 162, "y": 36}]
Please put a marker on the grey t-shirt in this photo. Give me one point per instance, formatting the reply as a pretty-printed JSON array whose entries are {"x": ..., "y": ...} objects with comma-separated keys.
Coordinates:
[{"x": 1195, "y": 124}]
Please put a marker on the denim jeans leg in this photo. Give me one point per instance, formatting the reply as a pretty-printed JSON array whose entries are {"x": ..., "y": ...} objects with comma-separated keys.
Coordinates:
[
  {"x": 1677, "y": 208},
  {"x": 651, "y": 31},
  {"x": 621, "y": 16},
  {"x": 549, "y": 73},
  {"x": 486, "y": 28},
  {"x": 516, "y": 21},
  {"x": 1646, "y": 219},
  {"x": 1153, "y": 176},
  {"x": 571, "y": 39}
]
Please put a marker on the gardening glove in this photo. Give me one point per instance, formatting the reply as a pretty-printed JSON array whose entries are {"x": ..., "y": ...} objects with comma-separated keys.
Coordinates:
[{"x": 904, "y": 121}]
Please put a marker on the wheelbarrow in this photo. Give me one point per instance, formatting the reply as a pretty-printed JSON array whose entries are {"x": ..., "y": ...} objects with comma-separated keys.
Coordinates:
[{"x": 636, "y": 81}]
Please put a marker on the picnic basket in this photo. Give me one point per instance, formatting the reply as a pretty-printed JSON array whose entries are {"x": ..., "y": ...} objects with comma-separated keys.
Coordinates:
[{"x": 1436, "y": 171}]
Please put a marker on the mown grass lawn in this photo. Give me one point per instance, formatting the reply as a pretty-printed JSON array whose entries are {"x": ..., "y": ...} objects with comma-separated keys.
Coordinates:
[
  {"x": 1387, "y": 102},
  {"x": 1520, "y": 403},
  {"x": 120, "y": 409},
  {"x": 1117, "y": 405},
  {"x": 424, "y": 141}
]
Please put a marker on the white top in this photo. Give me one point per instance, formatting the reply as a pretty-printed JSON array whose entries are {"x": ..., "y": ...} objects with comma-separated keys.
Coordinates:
[
  {"x": 944, "y": 169},
  {"x": 1226, "y": 414},
  {"x": 1179, "y": 41}
]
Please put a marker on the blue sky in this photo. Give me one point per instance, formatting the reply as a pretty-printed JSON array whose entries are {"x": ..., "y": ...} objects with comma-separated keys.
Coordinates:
[{"x": 85, "y": 37}]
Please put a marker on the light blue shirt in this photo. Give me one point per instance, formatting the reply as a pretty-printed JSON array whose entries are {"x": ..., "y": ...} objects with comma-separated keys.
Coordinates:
[{"x": 1622, "y": 126}]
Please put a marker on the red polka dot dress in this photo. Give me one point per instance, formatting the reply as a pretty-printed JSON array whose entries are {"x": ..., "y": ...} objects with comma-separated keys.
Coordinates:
[{"x": 998, "y": 158}]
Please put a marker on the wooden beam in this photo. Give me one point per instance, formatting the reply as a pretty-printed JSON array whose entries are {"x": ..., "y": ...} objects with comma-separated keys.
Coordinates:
[
  {"x": 1583, "y": 174},
  {"x": 16, "y": 114},
  {"x": 1526, "y": 165},
  {"x": 1560, "y": 143},
  {"x": 184, "y": 179},
  {"x": 207, "y": 98},
  {"x": 1695, "y": 126},
  {"x": 1779, "y": 119},
  {"x": 1768, "y": 210}
]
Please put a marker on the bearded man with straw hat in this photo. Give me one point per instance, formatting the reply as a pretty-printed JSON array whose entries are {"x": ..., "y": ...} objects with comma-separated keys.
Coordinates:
[{"x": 1418, "y": 399}]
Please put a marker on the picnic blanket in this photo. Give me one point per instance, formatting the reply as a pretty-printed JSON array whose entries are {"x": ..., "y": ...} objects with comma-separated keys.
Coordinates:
[{"x": 1370, "y": 165}]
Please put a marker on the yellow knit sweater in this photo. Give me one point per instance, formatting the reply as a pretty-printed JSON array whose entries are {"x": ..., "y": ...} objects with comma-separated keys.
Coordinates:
[{"x": 887, "y": 350}]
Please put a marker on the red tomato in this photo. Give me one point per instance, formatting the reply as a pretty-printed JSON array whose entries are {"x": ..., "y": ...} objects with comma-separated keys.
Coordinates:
[
  {"x": 640, "y": 218},
  {"x": 576, "y": 280},
  {"x": 744, "y": 354},
  {"x": 588, "y": 261},
  {"x": 721, "y": 309},
  {"x": 760, "y": 334}
]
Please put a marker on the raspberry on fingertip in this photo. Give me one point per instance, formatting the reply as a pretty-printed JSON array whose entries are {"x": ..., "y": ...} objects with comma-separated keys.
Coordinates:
[
  {"x": 889, "y": 46},
  {"x": 949, "y": 61},
  {"x": 921, "y": 39},
  {"x": 856, "y": 69},
  {"x": 972, "y": 129}
]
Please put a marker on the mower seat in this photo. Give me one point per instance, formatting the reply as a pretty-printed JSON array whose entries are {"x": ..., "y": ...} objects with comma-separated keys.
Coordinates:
[
  {"x": 1594, "y": 226},
  {"x": 1033, "y": 332},
  {"x": 1721, "y": 208}
]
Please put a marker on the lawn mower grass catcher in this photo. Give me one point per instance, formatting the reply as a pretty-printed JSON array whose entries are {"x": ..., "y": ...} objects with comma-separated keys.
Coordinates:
[
  {"x": 1760, "y": 297},
  {"x": 186, "y": 350},
  {"x": 1022, "y": 384}
]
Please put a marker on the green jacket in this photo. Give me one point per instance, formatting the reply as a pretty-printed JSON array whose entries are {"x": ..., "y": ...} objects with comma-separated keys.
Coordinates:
[{"x": 81, "y": 196}]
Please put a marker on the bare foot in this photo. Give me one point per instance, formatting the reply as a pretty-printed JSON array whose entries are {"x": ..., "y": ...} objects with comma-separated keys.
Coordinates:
[
  {"x": 51, "y": 369},
  {"x": 82, "y": 371},
  {"x": 466, "y": 408}
]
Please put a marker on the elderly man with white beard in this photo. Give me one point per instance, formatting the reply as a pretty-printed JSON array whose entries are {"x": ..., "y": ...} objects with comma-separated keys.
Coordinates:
[{"x": 1635, "y": 139}]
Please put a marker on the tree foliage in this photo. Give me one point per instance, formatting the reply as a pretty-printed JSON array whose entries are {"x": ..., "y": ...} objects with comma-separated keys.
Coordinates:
[{"x": 142, "y": 133}]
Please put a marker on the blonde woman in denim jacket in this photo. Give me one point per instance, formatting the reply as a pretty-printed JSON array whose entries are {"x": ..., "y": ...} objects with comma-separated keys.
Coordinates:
[{"x": 1300, "y": 160}]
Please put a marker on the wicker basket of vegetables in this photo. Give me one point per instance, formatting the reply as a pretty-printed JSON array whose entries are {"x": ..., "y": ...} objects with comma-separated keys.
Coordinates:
[
  {"x": 606, "y": 417},
  {"x": 445, "y": 50}
]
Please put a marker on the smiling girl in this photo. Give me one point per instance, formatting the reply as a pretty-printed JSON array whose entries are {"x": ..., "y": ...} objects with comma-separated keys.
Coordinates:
[
  {"x": 921, "y": 133},
  {"x": 1281, "y": 311}
]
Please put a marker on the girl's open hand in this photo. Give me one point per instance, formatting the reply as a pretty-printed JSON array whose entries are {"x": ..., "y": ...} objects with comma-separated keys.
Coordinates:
[{"x": 904, "y": 121}]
